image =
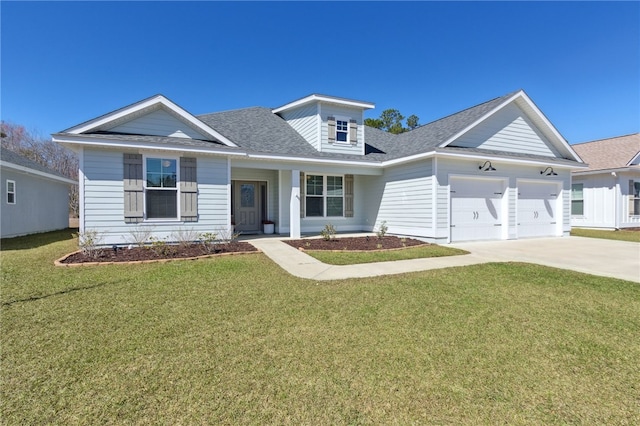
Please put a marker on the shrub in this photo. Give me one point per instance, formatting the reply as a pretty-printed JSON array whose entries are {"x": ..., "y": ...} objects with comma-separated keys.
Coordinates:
[
  {"x": 89, "y": 241},
  {"x": 208, "y": 241},
  {"x": 329, "y": 232},
  {"x": 139, "y": 235},
  {"x": 160, "y": 247},
  {"x": 382, "y": 229},
  {"x": 185, "y": 236},
  {"x": 227, "y": 235}
]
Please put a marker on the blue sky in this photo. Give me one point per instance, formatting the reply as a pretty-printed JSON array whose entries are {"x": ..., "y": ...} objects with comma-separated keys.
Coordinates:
[{"x": 63, "y": 63}]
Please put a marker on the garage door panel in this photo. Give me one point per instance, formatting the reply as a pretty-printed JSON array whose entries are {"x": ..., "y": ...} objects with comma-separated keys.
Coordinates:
[
  {"x": 537, "y": 209},
  {"x": 476, "y": 209}
]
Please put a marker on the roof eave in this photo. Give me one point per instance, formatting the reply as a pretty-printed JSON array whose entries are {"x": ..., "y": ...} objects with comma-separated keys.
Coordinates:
[{"x": 324, "y": 98}]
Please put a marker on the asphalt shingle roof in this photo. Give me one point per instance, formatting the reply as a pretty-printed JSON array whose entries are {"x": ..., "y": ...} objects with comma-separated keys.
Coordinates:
[
  {"x": 19, "y": 160},
  {"x": 257, "y": 130},
  {"x": 610, "y": 153}
]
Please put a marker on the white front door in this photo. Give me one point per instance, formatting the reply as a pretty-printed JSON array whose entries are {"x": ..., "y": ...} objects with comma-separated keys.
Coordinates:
[
  {"x": 537, "y": 209},
  {"x": 476, "y": 209}
]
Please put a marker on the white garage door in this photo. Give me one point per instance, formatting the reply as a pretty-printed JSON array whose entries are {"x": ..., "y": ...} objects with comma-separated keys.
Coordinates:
[
  {"x": 537, "y": 209},
  {"x": 476, "y": 209}
]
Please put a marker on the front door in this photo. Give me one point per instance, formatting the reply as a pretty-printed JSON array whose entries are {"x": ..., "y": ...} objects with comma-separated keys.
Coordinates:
[{"x": 247, "y": 206}]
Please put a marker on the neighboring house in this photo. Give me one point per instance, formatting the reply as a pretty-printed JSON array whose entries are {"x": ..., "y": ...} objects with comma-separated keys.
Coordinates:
[
  {"x": 499, "y": 170},
  {"x": 34, "y": 198},
  {"x": 607, "y": 193}
]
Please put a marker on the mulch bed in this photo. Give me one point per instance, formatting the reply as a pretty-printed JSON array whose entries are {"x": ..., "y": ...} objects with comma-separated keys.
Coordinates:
[
  {"x": 355, "y": 243},
  {"x": 139, "y": 254}
]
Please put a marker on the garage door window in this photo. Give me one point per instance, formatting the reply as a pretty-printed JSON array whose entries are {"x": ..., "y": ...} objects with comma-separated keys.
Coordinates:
[{"x": 577, "y": 199}]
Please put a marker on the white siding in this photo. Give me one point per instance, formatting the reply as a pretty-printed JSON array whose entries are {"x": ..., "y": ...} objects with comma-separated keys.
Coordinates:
[
  {"x": 158, "y": 123},
  {"x": 104, "y": 200},
  {"x": 41, "y": 205},
  {"x": 349, "y": 113},
  {"x": 606, "y": 201},
  {"x": 403, "y": 197},
  {"x": 305, "y": 121},
  {"x": 508, "y": 130}
]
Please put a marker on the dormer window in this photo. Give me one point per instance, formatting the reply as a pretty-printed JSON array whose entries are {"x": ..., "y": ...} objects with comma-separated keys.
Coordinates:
[{"x": 342, "y": 131}]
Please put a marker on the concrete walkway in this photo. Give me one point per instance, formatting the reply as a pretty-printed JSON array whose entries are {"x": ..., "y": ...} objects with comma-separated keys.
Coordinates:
[{"x": 618, "y": 259}]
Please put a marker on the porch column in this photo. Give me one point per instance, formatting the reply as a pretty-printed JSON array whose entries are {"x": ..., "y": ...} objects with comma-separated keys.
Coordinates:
[{"x": 294, "y": 205}]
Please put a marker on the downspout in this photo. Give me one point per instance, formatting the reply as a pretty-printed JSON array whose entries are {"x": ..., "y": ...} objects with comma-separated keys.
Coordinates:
[{"x": 616, "y": 201}]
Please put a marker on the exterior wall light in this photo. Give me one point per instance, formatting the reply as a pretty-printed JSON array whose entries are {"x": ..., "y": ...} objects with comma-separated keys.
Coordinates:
[
  {"x": 487, "y": 167},
  {"x": 550, "y": 170}
]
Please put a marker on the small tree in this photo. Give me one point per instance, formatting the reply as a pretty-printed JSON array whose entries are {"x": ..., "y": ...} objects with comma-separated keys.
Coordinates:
[{"x": 391, "y": 121}]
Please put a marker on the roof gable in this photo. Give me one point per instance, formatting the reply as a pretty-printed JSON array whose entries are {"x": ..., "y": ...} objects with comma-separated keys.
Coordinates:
[
  {"x": 154, "y": 116},
  {"x": 513, "y": 124}
]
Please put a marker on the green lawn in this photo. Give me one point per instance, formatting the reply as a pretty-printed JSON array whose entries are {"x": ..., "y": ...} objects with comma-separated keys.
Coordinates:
[
  {"x": 236, "y": 340},
  {"x": 621, "y": 235},
  {"x": 351, "y": 258}
]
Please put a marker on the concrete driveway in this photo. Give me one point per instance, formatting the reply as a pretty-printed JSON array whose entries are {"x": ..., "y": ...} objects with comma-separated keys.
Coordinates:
[
  {"x": 609, "y": 258},
  {"x": 618, "y": 259}
]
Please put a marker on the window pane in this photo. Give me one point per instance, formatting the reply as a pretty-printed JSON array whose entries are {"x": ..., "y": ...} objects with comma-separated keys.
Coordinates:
[
  {"x": 11, "y": 198},
  {"x": 314, "y": 185},
  {"x": 334, "y": 185},
  {"x": 636, "y": 189},
  {"x": 161, "y": 173},
  {"x": 10, "y": 186},
  {"x": 162, "y": 204},
  {"x": 334, "y": 206},
  {"x": 577, "y": 207},
  {"x": 247, "y": 195},
  {"x": 341, "y": 136},
  {"x": 154, "y": 180},
  {"x": 314, "y": 206},
  {"x": 576, "y": 191},
  {"x": 153, "y": 165}
]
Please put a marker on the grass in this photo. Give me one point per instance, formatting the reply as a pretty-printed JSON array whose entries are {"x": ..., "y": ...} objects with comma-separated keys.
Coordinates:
[
  {"x": 352, "y": 257},
  {"x": 236, "y": 340},
  {"x": 621, "y": 235}
]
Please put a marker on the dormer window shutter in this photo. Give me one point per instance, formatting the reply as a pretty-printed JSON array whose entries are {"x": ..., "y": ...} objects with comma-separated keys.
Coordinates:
[
  {"x": 331, "y": 129},
  {"x": 353, "y": 132}
]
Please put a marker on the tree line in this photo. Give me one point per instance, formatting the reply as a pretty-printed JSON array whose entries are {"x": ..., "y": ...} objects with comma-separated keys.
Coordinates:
[
  {"x": 391, "y": 121},
  {"x": 17, "y": 138}
]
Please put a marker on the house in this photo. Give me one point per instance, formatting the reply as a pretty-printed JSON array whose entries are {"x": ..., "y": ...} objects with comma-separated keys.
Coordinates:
[
  {"x": 607, "y": 193},
  {"x": 498, "y": 170},
  {"x": 34, "y": 198}
]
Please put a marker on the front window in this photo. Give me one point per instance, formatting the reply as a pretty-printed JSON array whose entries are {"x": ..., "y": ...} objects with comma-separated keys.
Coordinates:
[
  {"x": 342, "y": 130},
  {"x": 634, "y": 198},
  {"x": 161, "y": 188},
  {"x": 11, "y": 192},
  {"x": 324, "y": 196},
  {"x": 577, "y": 199}
]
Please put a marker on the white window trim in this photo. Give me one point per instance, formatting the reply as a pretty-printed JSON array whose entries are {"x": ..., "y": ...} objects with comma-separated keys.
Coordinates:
[
  {"x": 11, "y": 192},
  {"x": 347, "y": 121},
  {"x": 577, "y": 199},
  {"x": 177, "y": 189},
  {"x": 324, "y": 196},
  {"x": 632, "y": 198}
]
